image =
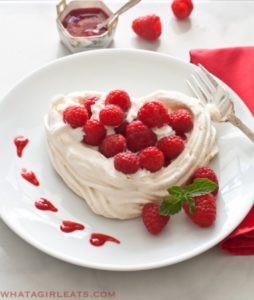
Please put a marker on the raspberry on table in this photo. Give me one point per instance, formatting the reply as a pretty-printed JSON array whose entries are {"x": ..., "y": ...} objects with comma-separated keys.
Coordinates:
[
  {"x": 122, "y": 128},
  {"x": 113, "y": 144},
  {"x": 75, "y": 115},
  {"x": 94, "y": 132},
  {"x": 182, "y": 8},
  {"x": 88, "y": 102},
  {"x": 153, "y": 114},
  {"x": 148, "y": 27},
  {"x": 171, "y": 146},
  {"x": 139, "y": 136},
  {"x": 119, "y": 98},
  {"x": 126, "y": 162},
  {"x": 206, "y": 172},
  {"x": 151, "y": 159},
  {"x": 181, "y": 121},
  {"x": 205, "y": 210},
  {"x": 111, "y": 115},
  {"x": 152, "y": 220}
]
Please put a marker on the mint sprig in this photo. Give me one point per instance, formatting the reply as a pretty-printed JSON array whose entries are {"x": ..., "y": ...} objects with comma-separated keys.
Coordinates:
[{"x": 180, "y": 195}]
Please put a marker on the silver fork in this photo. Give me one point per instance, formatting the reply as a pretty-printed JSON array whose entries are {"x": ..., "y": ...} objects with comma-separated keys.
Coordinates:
[{"x": 207, "y": 89}]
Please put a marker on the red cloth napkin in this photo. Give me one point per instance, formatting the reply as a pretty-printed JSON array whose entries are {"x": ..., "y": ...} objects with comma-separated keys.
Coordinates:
[{"x": 235, "y": 67}]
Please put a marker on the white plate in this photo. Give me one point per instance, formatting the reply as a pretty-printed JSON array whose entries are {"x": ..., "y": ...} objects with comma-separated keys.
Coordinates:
[{"x": 139, "y": 72}]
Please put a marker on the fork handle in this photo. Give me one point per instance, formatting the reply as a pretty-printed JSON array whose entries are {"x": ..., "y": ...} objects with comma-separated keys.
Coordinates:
[{"x": 233, "y": 119}]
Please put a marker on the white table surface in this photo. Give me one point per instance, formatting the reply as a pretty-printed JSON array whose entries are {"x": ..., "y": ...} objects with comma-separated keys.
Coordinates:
[{"x": 28, "y": 40}]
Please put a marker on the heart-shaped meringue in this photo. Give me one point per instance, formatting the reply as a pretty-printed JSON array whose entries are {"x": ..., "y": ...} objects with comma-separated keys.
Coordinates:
[{"x": 93, "y": 177}]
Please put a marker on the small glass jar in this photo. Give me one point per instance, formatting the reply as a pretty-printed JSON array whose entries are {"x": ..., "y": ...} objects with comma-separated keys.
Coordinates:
[{"x": 81, "y": 43}]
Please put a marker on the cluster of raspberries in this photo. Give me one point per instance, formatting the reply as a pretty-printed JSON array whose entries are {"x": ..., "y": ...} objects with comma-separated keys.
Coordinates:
[
  {"x": 134, "y": 145},
  {"x": 205, "y": 207}
]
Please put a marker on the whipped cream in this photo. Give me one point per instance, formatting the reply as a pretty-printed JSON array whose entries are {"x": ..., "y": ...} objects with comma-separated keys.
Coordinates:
[{"x": 93, "y": 177}]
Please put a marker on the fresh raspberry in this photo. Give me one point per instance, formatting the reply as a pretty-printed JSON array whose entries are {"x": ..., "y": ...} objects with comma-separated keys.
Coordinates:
[
  {"x": 167, "y": 162},
  {"x": 126, "y": 162},
  {"x": 147, "y": 27},
  {"x": 151, "y": 159},
  {"x": 139, "y": 136},
  {"x": 88, "y": 102},
  {"x": 183, "y": 136},
  {"x": 113, "y": 144},
  {"x": 122, "y": 128},
  {"x": 171, "y": 146},
  {"x": 153, "y": 114},
  {"x": 181, "y": 121},
  {"x": 94, "y": 132},
  {"x": 111, "y": 115},
  {"x": 205, "y": 210},
  {"x": 206, "y": 172},
  {"x": 120, "y": 98},
  {"x": 153, "y": 221},
  {"x": 182, "y": 8},
  {"x": 75, "y": 116}
]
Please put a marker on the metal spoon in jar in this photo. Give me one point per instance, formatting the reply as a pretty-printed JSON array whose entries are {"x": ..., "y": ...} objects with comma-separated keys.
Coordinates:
[{"x": 121, "y": 10}]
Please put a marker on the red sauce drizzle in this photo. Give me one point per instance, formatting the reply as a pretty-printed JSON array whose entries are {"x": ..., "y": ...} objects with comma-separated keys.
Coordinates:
[
  {"x": 69, "y": 226},
  {"x": 96, "y": 239},
  {"x": 44, "y": 204},
  {"x": 99, "y": 239},
  {"x": 30, "y": 177},
  {"x": 20, "y": 143}
]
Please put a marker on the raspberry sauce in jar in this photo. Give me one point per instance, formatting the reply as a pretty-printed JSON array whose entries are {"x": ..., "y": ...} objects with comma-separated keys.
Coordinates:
[{"x": 82, "y": 22}]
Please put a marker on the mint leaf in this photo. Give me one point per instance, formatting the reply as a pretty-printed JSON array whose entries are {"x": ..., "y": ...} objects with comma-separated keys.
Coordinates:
[
  {"x": 175, "y": 190},
  {"x": 192, "y": 205},
  {"x": 200, "y": 186},
  {"x": 170, "y": 206},
  {"x": 179, "y": 195}
]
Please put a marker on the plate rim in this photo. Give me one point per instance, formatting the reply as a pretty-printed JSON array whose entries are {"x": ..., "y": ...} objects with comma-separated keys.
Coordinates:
[{"x": 109, "y": 267}]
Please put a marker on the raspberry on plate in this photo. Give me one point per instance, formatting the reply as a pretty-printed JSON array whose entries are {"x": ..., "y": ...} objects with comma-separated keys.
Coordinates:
[
  {"x": 151, "y": 159},
  {"x": 120, "y": 98},
  {"x": 113, "y": 144},
  {"x": 153, "y": 114},
  {"x": 122, "y": 128},
  {"x": 205, "y": 210},
  {"x": 181, "y": 121},
  {"x": 88, "y": 102},
  {"x": 139, "y": 136},
  {"x": 75, "y": 115},
  {"x": 152, "y": 220},
  {"x": 126, "y": 162},
  {"x": 111, "y": 115},
  {"x": 148, "y": 27},
  {"x": 182, "y": 8},
  {"x": 94, "y": 132},
  {"x": 171, "y": 146},
  {"x": 206, "y": 172}
]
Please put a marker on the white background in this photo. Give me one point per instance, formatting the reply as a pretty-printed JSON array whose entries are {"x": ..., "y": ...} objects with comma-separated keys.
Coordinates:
[{"x": 28, "y": 40}]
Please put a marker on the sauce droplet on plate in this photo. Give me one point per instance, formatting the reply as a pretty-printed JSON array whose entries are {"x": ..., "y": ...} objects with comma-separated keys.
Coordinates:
[
  {"x": 69, "y": 226},
  {"x": 44, "y": 204},
  {"x": 99, "y": 239},
  {"x": 30, "y": 177},
  {"x": 20, "y": 143}
]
